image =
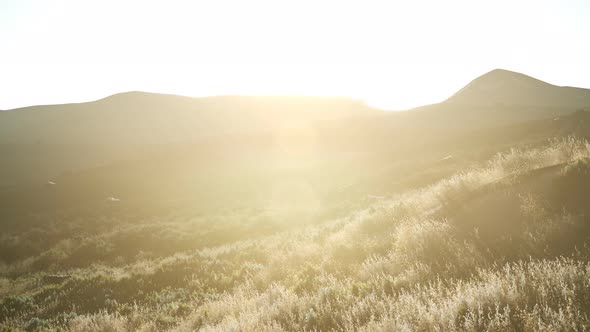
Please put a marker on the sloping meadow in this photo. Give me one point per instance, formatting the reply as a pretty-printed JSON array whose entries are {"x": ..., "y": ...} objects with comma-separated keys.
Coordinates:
[{"x": 499, "y": 247}]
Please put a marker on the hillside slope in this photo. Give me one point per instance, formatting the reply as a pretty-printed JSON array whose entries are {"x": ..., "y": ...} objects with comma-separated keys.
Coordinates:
[
  {"x": 428, "y": 257},
  {"x": 147, "y": 118},
  {"x": 506, "y": 87},
  {"x": 499, "y": 98},
  {"x": 331, "y": 171}
]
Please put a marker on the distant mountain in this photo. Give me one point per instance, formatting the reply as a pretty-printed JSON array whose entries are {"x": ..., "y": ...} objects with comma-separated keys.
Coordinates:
[
  {"x": 504, "y": 87},
  {"x": 145, "y": 118},
  {"x": 498, "y": 98}
]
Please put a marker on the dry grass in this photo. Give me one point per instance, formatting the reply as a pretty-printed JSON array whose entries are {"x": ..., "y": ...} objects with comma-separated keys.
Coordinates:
[{"x": 399, "y": 264}]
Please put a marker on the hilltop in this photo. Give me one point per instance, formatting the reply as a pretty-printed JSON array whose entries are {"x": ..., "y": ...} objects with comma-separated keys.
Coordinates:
[
  {"x": 504, "y": 87},
  {"x": 500, "y": 97}
]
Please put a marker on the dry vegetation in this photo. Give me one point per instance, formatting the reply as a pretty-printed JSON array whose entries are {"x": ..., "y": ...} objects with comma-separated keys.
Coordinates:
[{"x": 499, "y": 247}]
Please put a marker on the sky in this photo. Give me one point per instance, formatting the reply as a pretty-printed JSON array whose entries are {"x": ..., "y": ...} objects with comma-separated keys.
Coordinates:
[{"x": 392, "y": 54}]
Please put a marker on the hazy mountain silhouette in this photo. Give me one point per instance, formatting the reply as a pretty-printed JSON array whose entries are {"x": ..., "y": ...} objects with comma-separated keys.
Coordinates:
[
  {"x": 40, "y": 142},
  {"x": 510, "y": 88},
  {"x": 499, "y": 98},
  {"x": 139, "y": 117}
]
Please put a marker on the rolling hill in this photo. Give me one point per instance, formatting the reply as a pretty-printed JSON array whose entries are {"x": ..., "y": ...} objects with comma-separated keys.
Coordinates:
[
  {"x": 163, "y": 148},
  {"x": 148, "y": 118},
  {"x": 504, "y": 87},
  {"x": 42, "y": 142},
  {"x": 500, "y": 98}
]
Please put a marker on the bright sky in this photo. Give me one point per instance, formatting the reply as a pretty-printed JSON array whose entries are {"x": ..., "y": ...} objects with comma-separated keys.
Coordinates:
[{"x": 393, "y": 54}]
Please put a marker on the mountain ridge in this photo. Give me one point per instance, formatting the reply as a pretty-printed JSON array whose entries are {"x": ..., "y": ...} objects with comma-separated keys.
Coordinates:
[
  {"x": 501, "y": 86},
  {"x": 135, "y": 94},
  {"x": 489, "y": 88},
  {"x": 497, "y": 98}
]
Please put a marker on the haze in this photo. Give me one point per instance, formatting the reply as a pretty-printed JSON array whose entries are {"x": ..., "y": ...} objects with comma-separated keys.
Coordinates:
[
  {"x": 392, "y": 54},
  {"x": 240, "y": 166}
]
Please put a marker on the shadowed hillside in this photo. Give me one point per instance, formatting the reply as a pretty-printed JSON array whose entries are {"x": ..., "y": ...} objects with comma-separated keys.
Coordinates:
[
  {"x": 148, "y": 118},
  {"x": 42, "y": 142}
]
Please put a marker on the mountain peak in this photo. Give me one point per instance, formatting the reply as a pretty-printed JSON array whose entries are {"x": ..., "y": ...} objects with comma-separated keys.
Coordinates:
[
  {"x": 501, "y": 86},
  {"x": 504, "y": 76}
]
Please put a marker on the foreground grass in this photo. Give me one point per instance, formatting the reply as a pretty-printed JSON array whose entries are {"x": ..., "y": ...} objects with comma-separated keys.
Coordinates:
[{"x": 430, "y": 259}]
